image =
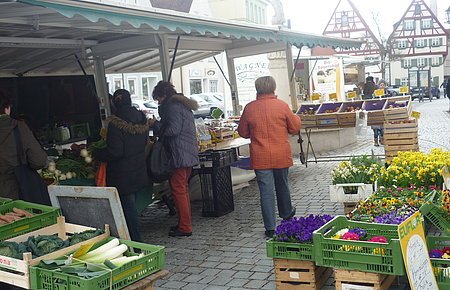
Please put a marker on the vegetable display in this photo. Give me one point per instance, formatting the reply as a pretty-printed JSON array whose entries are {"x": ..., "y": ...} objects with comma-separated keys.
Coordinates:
[{"x": 13, "y": 216}]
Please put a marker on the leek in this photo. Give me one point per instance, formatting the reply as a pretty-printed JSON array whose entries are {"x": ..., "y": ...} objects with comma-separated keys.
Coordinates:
[
  {"x": 118, "y": 262},
  {"x": 109, "y": 245},
  {"x": 108, "y": 255}
]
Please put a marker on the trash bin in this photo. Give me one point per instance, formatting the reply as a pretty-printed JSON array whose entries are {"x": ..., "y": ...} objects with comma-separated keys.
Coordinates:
[{"x": 215, "y": 180}]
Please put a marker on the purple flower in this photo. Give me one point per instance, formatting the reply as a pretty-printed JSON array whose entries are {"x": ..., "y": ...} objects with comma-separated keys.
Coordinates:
[
  {"x": 300, "y": 229},
  {"x": 436, "y": 253},
  {"x": 360, "y": 232}
]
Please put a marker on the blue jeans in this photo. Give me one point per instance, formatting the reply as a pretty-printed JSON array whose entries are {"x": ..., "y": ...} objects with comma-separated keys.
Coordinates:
[
  {"x": 377, "y": 132},
  {"x": 273, "y": 182}
]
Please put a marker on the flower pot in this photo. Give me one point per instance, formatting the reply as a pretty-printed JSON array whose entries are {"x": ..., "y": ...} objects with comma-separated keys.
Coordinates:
[{"x": 350, "y": 192}]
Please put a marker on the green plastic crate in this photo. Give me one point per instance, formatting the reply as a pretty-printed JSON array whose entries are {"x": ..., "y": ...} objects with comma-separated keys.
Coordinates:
[
  {"x": 359, "y": 255},
  {"x": 437, "y": 217},
  {"x": 4, "y": 200},
  {"x": 151, "y": 262},
  {"x": 293, "y": 251},
  {"x": 43, "y": 216},
  {"x": 441, "y": 267}
]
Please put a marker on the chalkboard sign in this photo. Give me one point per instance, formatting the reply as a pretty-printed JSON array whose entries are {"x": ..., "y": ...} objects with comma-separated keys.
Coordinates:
[{"x": 91, "y": 206}]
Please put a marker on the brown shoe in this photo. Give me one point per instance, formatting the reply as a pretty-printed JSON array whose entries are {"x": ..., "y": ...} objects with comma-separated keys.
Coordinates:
[{"x": 381, "y": 141}]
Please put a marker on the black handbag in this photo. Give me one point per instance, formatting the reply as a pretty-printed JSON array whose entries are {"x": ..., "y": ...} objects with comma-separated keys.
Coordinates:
[
  {"x": 31, "y": 185},
  {"x": 158, "y": 163}
]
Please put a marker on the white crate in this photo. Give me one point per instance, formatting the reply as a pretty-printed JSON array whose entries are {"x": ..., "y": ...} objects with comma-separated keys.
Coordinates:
[
  {"x": 17, "y": 271},
  {"x": 337, "y": 192}
]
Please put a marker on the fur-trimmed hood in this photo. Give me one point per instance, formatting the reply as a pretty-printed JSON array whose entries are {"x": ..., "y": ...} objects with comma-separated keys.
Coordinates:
[
  {"x": 188, "y": 103},
  {"x": 128, "y": 127}
]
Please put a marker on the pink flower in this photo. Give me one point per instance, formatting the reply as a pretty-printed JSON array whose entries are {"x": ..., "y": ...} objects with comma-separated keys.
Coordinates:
[
  {"x": 378, "y": 239},
  {"x": 399, "y": 188},
  {"x": 350, "y": 236}
]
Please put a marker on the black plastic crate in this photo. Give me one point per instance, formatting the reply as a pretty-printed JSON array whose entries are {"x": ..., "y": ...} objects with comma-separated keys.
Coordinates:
[
  {"x": 217, "y": 191},
  {"x": 219, "y": 158}
]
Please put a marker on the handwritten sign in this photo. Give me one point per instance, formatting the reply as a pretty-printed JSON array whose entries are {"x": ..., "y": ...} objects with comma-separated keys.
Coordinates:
[
  {"x": 315, "y": 97},
  {"x": 415, "y": 254},
  {"x": 332, "y": 96},
  {"x": 415, "y": 114},
  {"x": 403, "y": 90},
  {"x": 379, "y": 93},
  {"x": 351, "y": 95}
]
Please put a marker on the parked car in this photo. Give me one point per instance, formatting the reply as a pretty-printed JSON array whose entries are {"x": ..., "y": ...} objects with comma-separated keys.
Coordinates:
[
  {"x": 149, "y": 108},
  {"x": 422, "y": 92},
  {"x": 204, "y": 109},
  {"x": 394, "y": 90},
  {"x": 215, "y": 100}
]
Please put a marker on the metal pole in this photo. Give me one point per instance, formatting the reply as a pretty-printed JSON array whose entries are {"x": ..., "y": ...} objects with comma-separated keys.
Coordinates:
[
  {"x": 233, "y": 81},
  {"x": 102, "y": 90},
  {"x": 164, "y": 56},
  {"x": 173, "y": 58},
  {"x": 290, "y": 68}
]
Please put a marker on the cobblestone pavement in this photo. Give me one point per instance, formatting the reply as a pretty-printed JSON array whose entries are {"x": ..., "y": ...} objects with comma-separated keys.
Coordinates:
[{"x": 229, "y": 252}]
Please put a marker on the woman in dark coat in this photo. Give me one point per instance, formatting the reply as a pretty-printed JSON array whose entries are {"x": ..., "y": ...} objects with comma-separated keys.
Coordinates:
[
  {"x": 177, "y": 130},
  {"x": 35, "y": 155},
  {"x": 125, "y": 156}
]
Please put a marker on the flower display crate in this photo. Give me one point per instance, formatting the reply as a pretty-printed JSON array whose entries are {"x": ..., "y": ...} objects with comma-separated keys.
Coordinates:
[
  {"x": 400, "y": 136},
  {"x": 356, "y": 279},
  {"x": 347, "y": 113},
  {"x": 307, "y": 113},
  {"x": 285, "y": 250},
  {"x": 374, "y": 108},
  {"x": 397, "y": 108},
  {"x": 437, "y": 217},
  {"x": 339, "y": 192},
  {"x": 327, "y": 115},
  {"x": 441, "y": 267},
  {"x": 151, "y": 262},
  {"x": 303, "y": 275},
  {"x": 17, "y": 271},
  {"x": 42, "y": 216},
  {"x": 381, "y": 258}
]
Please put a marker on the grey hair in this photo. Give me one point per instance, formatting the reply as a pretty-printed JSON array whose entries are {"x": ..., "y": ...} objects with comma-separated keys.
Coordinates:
[{"x": 265, "y": 85}]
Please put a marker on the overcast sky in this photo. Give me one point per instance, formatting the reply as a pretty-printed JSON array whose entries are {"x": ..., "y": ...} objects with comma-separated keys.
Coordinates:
[{"x": 313, "y": 15}]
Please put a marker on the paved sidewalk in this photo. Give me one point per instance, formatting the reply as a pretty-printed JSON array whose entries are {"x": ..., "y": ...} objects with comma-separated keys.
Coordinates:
[{"x": 229, "y": 252}]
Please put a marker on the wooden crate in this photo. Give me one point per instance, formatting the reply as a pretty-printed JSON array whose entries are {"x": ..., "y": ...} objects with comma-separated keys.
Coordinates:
[
  {"x": 330, "y": 119},
  {"x": 18, "y": 270},
  {"x": 307, "y": 113},
  {"x": 397, "y": 113},
  {"x": 357, "y": 278},
  {"x": 302, "y": 275},
  {"x": 348, "y": 119},
  {"x": 374, "y": 108}
]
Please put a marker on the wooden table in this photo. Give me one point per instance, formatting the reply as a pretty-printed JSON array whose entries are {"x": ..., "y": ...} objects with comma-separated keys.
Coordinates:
[{"x": 147, "y": 282}]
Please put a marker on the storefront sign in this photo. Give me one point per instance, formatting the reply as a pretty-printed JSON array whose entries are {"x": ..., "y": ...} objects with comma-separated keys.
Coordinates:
[{"x": 415, "y": 254}]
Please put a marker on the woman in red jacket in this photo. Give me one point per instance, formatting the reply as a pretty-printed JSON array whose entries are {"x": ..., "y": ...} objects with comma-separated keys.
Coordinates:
[{"x": 268, "y": 122}]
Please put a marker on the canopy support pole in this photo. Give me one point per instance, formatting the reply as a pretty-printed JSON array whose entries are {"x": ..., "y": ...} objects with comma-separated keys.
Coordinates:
[
  {"x": 172, "y": 63},
  {"x": 102, "y": 88},
  {"x": 233, "y": 86},
  {"x": 164, "y": 56},
  {"x": 290, "y": 68}
]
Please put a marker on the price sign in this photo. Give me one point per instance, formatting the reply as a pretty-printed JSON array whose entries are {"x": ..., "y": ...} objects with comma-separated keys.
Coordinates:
[
  {"x": 351, "y": 95},
  {"x": 415, "y": 253},
  {"x": 315, "y": 97},
  {"x": 83, "y": 249},
  {"x": 415, "y": 114},
  {"x": 403, "y": 90},
  {"x": 332, "y": 96},
  {"x": 379, "y": 93}
]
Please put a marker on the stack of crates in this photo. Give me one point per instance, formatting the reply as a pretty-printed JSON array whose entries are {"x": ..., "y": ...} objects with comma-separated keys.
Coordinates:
[
  {"x": 215, "y": 181},
  {"x": 400, "y": 136}
]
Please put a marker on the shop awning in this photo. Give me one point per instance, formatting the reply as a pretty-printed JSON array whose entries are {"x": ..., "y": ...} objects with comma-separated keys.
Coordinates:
[{"x": 40, "y": 37}]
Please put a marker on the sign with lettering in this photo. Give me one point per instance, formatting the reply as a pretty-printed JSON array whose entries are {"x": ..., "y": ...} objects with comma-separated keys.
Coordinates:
[
  {"x": 315, "y": 97},
  {"x": 415, "y": 254},
  {"x": 403, "y": 90},
  {"x": 415, "y": 114},
  {"x": 379, "y": 93},
  {"x": 332, "y": 96},
  {"x": 351, "y": 95}
]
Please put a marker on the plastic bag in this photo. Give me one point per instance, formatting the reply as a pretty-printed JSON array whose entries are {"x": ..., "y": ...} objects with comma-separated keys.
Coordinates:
[{"x": 100, "y": 175}]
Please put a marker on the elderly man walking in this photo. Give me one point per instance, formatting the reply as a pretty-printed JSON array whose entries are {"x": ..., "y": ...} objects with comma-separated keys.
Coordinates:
[{"x": 268, "y": 122}]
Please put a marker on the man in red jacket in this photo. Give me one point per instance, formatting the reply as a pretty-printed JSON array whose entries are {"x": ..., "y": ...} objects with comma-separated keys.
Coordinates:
[{"x": 268, "y": 122}]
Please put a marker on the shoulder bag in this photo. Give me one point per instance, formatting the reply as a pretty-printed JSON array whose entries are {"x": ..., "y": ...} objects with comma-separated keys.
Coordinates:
[
  {"x": 158, "y": 162},
  {"x": 31, "y": 185}
]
